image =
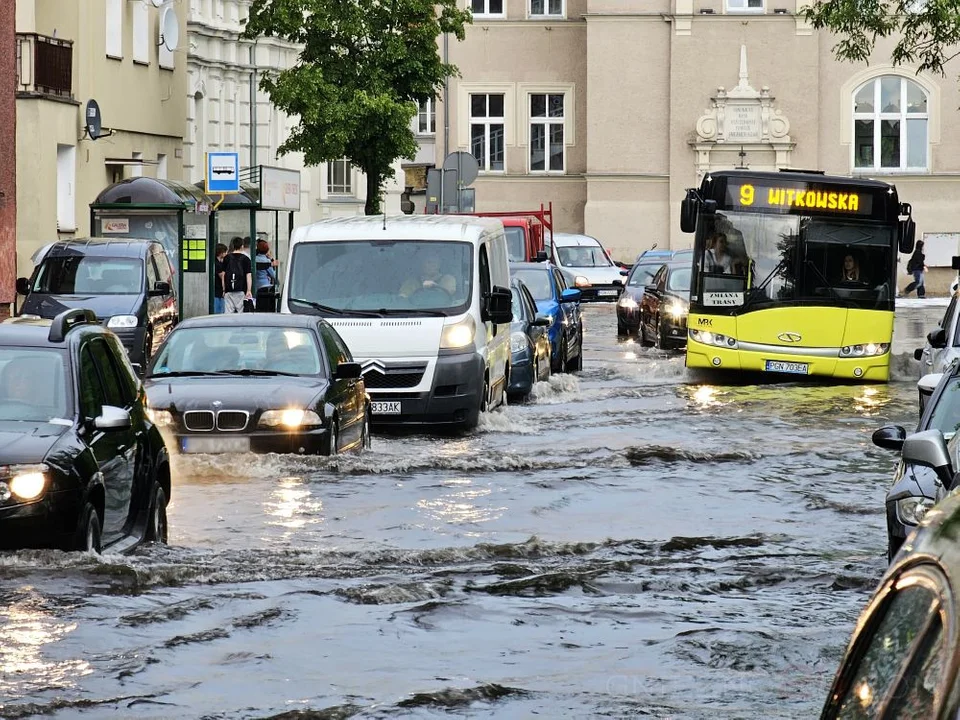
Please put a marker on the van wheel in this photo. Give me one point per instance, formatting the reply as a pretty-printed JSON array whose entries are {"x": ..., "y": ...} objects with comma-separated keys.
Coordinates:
[
  {"x": 89, "y": 536},
  {"x": 157, "y": 525}
]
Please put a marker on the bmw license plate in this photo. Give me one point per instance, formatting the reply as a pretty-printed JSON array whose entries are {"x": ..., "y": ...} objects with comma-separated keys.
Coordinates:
[
  {"x": 215, "y": 445},
  {"x": 385, "y": 408},
  {"x": 787, "y": 367}
]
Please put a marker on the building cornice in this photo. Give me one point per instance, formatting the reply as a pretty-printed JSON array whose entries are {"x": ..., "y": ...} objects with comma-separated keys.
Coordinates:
[
  {"x": 627, "y": 176},
  {"x": 569, "y": 178}
]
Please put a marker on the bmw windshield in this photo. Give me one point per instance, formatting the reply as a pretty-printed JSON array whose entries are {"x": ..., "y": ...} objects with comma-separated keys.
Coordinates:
[{"x": 381, "y": 277}]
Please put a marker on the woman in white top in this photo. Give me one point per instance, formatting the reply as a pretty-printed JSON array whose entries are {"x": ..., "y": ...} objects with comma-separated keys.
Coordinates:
[{"x": 718, "y": 260}]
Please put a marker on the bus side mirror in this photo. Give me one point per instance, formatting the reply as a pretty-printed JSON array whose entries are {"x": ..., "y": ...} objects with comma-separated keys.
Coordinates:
[
  {"x": 688, "y": 212},
  {"x": 908, "y": 233}
]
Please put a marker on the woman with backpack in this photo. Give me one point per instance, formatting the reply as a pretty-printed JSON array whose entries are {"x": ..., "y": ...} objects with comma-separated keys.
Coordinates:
[
  {"x": 916, "y": 266},
  {"x": 237, "y": 277}
]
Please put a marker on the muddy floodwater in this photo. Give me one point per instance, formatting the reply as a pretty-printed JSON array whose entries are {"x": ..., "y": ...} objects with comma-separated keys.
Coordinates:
[{"x": 635, "y": 541}]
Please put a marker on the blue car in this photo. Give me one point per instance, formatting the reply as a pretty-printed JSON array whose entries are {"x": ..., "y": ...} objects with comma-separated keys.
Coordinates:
[
  {"x": 529, "y": 343},
  {"x": 548, "y": 287}
]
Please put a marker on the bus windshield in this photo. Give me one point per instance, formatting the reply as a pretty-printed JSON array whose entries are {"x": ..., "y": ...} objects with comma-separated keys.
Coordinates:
[{"x": 752, "y": 259}]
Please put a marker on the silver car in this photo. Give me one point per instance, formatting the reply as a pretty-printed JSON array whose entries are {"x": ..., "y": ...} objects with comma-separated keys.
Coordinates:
[
  {"x": 583, "y": 259},
  {"x": 943, "y": 344}
]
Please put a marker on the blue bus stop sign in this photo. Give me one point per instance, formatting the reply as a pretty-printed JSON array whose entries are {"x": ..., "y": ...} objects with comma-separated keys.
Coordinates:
[{"x": 223, "y": 172}]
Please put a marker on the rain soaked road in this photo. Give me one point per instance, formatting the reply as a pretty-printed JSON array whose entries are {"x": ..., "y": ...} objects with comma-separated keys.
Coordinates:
[{"x": 633, "y": 542}]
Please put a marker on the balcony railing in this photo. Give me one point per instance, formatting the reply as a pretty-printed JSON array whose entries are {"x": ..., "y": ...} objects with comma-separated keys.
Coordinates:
[{"x": 44, "y": 65}]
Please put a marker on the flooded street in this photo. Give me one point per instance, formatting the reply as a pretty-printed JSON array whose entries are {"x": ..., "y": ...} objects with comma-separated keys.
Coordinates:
[{"x": 634, "y": 541}]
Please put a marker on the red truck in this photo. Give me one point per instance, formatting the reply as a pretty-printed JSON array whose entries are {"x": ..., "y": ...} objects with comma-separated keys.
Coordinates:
[{"x": 525, "y": 231}]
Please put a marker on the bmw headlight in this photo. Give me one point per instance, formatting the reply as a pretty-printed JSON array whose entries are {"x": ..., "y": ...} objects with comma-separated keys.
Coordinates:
[
  {"x": 911, "y": 510},
  {"x": 864, "y": 350},
  {"x": 459, "y": 334},
  {"x": 122, "y": 321},
  {"x": 160, "y": 418},
  {"x": 27, "y": 482},
  {"x": 518, "y": 342},
  {"x": 711, "y": 338},
  {"x": 676, "y": 309},
  {"x": 289, "y": 418},
  {"x": 627, "y": 302}
]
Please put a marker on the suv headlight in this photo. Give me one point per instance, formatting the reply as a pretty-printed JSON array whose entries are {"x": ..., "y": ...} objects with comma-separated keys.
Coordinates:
[
  {"x": 160, "y": 418},
  {"x": 676, "y": 309},
  {"x": 711, "y": 338},
  {"x": 518, "y": 342},
  {"x": 627, "y": 302},
  {"x": 122, "y": 321},
  {"x": 289, "y": 418},
  {"x": 866, "y": 350},
  {"x": 459, "y": 334},
  {"x": 27, "y": 482},
  {"x": 911, "y": 510}
]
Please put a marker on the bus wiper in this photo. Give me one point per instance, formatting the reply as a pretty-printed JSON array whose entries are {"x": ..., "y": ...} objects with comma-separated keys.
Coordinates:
[
  {"x": 755, "y": 292},
  {"x": 826, "y": 282},
  {"x": 334, "y": 310}
]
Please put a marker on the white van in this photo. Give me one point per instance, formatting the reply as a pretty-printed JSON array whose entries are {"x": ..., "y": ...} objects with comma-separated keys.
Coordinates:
[
  {"x": 423, "y": 303},
  {"x": 582, "y": 256}
]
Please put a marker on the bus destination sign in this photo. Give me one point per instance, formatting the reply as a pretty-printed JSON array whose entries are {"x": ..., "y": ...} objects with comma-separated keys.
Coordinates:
[{"x": 798, "y": 199}]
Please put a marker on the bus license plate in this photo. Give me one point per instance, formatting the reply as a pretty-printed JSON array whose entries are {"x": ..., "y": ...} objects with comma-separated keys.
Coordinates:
[
  {"x": 215, "y": 445},
  {"x": 786, "y": 367},
  {"x": 385, "y": 408}
]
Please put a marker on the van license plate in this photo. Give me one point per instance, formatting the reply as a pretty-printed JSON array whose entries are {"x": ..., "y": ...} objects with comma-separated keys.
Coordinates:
[
  {"x": 607, "y": 292},
  {"x": 215, "y": 445},
  {"x": 787, "y": 367},
  {"x": 385, "y": 408}
]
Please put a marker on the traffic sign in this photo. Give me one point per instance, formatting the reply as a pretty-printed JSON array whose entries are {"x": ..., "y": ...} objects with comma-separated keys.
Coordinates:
[{"x": 223, "y": 173}]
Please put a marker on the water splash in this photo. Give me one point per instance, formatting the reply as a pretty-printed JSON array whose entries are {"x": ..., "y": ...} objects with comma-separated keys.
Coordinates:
[{"x": 559, "y": 389}]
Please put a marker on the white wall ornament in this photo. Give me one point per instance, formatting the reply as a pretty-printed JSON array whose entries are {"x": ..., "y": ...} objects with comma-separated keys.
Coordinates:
[{"x": 742, "y": 119}]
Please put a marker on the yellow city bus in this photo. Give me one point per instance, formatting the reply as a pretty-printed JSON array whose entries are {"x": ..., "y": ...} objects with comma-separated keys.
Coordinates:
[{"x": 794, "y": 272}]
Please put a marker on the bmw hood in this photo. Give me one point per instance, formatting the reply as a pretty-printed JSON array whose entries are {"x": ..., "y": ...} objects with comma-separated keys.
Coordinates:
[
  {"x": 25, "y": 443},
  {"x": 390, "y": 336},
  {"x": 105, "y": 306},
  {"x": 241, "y": 392}
]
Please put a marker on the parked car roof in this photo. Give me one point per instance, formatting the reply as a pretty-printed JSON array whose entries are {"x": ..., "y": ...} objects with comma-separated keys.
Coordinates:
[{"x": 252, "y": 320}]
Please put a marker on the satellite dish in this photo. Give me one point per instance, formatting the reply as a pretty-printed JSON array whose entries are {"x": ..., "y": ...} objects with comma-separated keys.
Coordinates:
[
  {"x": 92, "y": 121},
  {"x": 169, "y": 29},
  {"x": 465, "y": 164}
]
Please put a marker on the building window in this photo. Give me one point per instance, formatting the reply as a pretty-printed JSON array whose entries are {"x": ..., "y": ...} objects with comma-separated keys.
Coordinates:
[
  {"x": 136, "y": 170},
  {"x": 486, "y": 131},
  {"x": 487, "y": 8},
  {"x": 890, "y": 121},
  {"x": 339, "y": 178},
  {"x": 745, "y": 5},
  {"x": 66, "y": 190},
  {"x": 141, "y": 33},
  {"x": 546, "y": 132},
  {"x": 161, "y": 166},
  {"x": 114, "y": 16},
  {"x": 546, "y": 8},
  {"x": 426, "y": 117}
]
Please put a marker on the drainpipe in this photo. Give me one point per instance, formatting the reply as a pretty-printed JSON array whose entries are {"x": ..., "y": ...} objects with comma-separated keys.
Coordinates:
[
  {"x": 253, "y": 104},
  {"x": 446, "y": 98}
]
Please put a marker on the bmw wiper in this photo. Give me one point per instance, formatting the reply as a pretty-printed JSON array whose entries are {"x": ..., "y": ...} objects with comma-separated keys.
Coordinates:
[
  {"x": 334, "y": 310},
  {"x": 257, "y": 371}
]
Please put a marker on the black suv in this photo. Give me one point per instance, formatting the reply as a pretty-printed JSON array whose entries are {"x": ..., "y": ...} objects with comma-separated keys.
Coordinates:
[
  {"x": 81, "y": 465},
  {"x": 128, "y": 283}
]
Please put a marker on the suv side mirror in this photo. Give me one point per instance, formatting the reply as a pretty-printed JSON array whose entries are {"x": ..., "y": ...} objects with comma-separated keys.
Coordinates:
[
  {"x": 112, "y": 418},
  {"x": 890, "y": 437},
  {"x": 929, "y": 449},
  {"x": 937, "y": 338},
  {"x": 23, "y": 286},
  {"x": 160, "y": 287},
  {"x": 570, "y": 295},
  {"x": 500, "y": 305},
  {"x": 347, "y": 371}
]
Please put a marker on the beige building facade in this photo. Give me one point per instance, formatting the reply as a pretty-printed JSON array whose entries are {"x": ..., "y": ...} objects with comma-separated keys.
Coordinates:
[
  {"x": 612, "y": 108},
  {"x": 110, "y": 51}
]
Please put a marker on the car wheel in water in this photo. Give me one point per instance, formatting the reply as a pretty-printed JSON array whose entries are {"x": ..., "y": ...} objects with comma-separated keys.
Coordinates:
[
  {"x": 658, "y": 338},
  {"x": 157, "y": 525},
  {"x": 333, "y": 441},
  {"x": 89, "y": 531},
  {"x": 366, "y": 441},
  {"x": 622, "y": 330}
]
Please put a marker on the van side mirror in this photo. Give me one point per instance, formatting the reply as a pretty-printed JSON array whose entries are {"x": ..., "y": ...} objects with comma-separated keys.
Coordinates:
[
  {"x": 347, "y": 371},
  {"x": 929, "y": 449},
  {"x": 23, "y": 286},
  {"x": 160, "y": 288},
  {"x": 937, "y": 338},
  {"x": 918, "y": 354},
  {"x": 500, "y": 306},
  {"x": 541, "y": 256}
]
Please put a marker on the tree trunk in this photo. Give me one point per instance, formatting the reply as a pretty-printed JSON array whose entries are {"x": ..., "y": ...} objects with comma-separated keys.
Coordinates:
[{"x": 374, "y": 191}]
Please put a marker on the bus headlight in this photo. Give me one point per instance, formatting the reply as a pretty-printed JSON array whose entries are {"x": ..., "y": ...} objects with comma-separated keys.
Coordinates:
[
  {"x": 458, "y": 335},
  {"x": 865, "y": 350},
  {"x": 912, "y": 509},
  {"x": 676, "y": 309},
  {"x": 711, "y": 338}
]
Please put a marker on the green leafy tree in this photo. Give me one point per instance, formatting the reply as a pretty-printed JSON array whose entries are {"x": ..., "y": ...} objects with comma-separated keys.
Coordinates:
[
  {"x": 927, "y": 31},
  {"x": 363, "y": 65}
]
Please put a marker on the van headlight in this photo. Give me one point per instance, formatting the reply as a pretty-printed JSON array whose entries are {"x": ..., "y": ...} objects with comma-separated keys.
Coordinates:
[
  {"x": 122, "y": 321},
  {"x": 912, "y": 509},
  {"x": 289, "y": 418},
  {"x": 711, "y": 338},
  {"x": 518, "y": 342},
  {"x": 581, "y": 281},
  {"x": 459, "y": 334},
  {"x": 27, "y": 482},
  {"x": 864, "y": 350}
]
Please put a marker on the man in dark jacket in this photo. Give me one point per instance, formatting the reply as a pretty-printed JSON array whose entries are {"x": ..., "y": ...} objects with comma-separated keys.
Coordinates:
[{"x": 916, "y": 266}]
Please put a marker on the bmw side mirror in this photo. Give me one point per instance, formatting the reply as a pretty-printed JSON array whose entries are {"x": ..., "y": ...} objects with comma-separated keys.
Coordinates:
[
  {"x": 347, "y": 371},
  {"x": 541, "y": 320},
  {"x": 937, "y": 338},
  {"x": 929, "y": 449},
  {"x": 570, "y": 295},
  {"x": 890, "y": 437},
  {"x": 23, "y": 286},
  {"x": 112, "y": 418}
]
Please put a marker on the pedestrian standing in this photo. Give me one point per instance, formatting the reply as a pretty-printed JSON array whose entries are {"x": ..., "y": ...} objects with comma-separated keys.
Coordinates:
[
  {"x": 916, "y": 266},
  {"x": 237, "y": 277},
  {"x": 218, "y": 279}
]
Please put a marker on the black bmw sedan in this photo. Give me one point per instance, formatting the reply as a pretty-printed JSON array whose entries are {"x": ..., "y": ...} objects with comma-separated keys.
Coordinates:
[{"x": 258, "y": 382}]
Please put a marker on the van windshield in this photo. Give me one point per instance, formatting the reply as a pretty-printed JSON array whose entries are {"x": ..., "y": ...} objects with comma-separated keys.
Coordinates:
[
  {"x": 386, "y": 277},
  {"x": 516, "y": 244},
  {"x": 583, "y": 256},
  {"x": 89, "y": 275}
]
